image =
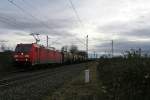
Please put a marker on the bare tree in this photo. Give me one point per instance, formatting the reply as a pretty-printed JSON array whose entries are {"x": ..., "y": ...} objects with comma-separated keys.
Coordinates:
[
  {"x": 74, "y": 49},
  {"x": 64, "y": 48}
]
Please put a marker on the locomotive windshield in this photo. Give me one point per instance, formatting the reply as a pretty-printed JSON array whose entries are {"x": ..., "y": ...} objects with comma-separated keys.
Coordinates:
[{"x": 23, "y": 48}]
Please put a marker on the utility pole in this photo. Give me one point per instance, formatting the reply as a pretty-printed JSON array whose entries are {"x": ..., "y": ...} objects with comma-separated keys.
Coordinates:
[
  {"x": 94, "y": 54},
  {"x": 47, "y": 40},
  {"x": 112, "y": 48},
  {"x": 87, "y": 44},
  {"x": 140, "y": 52}
]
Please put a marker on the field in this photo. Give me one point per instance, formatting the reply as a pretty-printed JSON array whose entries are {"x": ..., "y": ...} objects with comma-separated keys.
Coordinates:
[
  {"x": 110, "y": 79},
  {"x": 124, "y": 79},
  {"x": 77, "y": 89}
]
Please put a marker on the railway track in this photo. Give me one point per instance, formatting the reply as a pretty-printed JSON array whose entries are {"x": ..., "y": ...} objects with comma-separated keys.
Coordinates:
[
  {"x": 21, "y": 78},
  {"x": 25, "y": 77},
  {"x": 28, "y": 70},
  {"x": 38, "y": 84}
]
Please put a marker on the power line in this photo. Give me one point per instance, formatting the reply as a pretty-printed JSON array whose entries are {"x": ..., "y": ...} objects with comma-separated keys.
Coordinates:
[
  {"x": 76, "y": 13},
  {"x": 73, "y": 8},
  {"x": 44, "y": 16},
  {"x": 7, "y": 20},
  {"x": 78, "y": 18},
  {"x": 33, "y": 6},
  {"x": 24, "y": 11},
  {"x": 31, "y": 15},
  {"x": 25, "y": 1}
]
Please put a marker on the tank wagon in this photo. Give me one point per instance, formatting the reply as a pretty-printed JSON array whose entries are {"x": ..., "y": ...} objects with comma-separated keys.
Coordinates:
[{"x": 34, "y": 54}]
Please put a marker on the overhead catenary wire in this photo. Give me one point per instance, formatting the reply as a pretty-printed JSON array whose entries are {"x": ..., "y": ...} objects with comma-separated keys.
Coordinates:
[
  {"x": 4, "y": 21},
  {"x": 32, "y": 16},
  {"x": 25, "y": 1},
  {"x": 26, "y": 12},
  {"x": 7, "y": 20},
  {"x": 45, "y": 17},
  {"x": 77, "y": 15},
  {"x": 12, "y": 21},
  {"x": 33, "y": 6}
]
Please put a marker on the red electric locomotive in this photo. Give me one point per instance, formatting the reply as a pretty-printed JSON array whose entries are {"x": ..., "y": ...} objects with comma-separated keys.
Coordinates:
[{"x": 33, "y": 54}]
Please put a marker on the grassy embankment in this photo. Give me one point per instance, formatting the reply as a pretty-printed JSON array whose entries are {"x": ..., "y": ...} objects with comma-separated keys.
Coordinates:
[
  {"x": 77, "y": 89},
  {"x": 111, "y": 79}
]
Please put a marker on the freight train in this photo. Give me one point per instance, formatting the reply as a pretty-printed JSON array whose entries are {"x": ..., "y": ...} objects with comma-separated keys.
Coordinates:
[{"x": 35, "y": 54}]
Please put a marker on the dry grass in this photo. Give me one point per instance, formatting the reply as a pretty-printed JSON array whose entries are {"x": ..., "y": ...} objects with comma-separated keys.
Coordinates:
[{"x": 77, "y": 89}]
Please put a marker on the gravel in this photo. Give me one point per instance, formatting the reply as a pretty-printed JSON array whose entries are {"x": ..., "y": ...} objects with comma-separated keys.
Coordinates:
[{"x": 37, "y": 89}]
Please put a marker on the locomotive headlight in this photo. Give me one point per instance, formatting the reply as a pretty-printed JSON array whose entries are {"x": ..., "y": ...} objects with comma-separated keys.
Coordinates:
[
  {"x": 26, "y": 59},
  {"x": 26, "y": 56},
  {"x": 16, "y": 59},
  {"x": 22, "y": 53}
]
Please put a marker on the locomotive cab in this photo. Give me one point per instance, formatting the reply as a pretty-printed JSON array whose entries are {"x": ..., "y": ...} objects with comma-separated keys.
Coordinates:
[{"x": 22, "y": 54}]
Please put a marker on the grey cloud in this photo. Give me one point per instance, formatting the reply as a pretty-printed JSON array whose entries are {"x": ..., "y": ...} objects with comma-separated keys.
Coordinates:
[
  {"x": 120, "y": 46},
  {"x": 137, "y": 28},
  {"x": 141, "y": 32},
  {"x": 115, "y": 27},
  {"x": 16, "y": 22}
]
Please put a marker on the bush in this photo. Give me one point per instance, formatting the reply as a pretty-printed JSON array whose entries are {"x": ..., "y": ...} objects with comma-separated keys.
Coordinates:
[
  {"x": 5, "y": 61},
  {"x": 125, "y": 79}
]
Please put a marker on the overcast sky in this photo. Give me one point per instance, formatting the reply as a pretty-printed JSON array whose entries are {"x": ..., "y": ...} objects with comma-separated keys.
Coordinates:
[{"x": 124, "y": 21}]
